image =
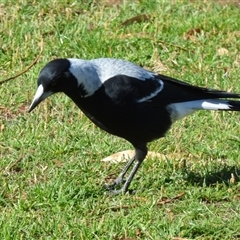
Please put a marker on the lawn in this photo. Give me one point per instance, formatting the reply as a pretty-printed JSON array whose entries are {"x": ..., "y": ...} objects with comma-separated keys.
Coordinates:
[{"x": 51, "y": 173}]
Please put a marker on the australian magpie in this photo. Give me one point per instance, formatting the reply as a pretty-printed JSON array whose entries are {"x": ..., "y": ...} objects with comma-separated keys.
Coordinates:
[{"x": 127, "y": 101}]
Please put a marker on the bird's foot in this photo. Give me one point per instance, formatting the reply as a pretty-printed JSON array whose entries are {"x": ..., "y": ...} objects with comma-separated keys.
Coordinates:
[
  {"x": 118, "y": 187},
  {"x": 119, "y": 181},
  {"x": 114, "y": 192}
]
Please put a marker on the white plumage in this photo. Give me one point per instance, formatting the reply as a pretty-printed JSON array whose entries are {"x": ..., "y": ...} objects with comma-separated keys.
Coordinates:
[{"x": 182, "y": 109}]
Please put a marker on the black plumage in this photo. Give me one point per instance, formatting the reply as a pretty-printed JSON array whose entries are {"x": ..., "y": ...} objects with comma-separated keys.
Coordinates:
[{"x": 127, "y": 101}]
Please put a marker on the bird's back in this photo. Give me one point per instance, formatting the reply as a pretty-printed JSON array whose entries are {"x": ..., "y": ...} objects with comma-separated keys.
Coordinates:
[{"x": 110, "y": 67}]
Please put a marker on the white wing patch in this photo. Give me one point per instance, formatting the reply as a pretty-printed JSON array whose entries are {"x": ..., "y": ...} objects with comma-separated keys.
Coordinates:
[
  {"x": 182, "y": 109},
  {"x": 153, "y": 94}
]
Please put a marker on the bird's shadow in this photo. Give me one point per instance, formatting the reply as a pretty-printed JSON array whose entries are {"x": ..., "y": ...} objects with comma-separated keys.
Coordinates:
[{"x": 227, "y": 175}]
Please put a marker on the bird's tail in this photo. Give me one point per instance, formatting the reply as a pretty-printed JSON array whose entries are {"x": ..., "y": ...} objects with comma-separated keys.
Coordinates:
[
  {"x": 182, "y": 109},
  {"x": 216, "y": 104}
]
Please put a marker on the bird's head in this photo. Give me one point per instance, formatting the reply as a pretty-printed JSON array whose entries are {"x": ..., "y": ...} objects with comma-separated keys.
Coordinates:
[{"x": 51, "y": 80}]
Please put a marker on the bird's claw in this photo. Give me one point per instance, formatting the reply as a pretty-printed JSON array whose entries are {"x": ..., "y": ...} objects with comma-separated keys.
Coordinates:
[
  {"x": 114, "y": 192},
  {"x": 115, "y": 184},
  {"x": 116, "y": 187}
]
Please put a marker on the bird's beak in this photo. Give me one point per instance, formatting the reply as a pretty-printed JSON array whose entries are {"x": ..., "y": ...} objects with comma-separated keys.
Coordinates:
[{"x": 40, "y": 95}]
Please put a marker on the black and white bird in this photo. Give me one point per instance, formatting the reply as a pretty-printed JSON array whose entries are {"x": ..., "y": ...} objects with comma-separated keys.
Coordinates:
[{"x": 127, "y": 101}]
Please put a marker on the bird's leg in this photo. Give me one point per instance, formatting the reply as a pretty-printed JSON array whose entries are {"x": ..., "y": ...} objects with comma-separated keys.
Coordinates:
[
  {"x": 140, "y": 154},
  {"x": 120, "y": 179}
]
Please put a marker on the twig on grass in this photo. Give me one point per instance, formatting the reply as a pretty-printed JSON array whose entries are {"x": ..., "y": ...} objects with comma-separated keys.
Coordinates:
[
  {"x": 173, "y": 45},
  {"x": 164, "y": 201},
  {"x": 26, "y": 69}
]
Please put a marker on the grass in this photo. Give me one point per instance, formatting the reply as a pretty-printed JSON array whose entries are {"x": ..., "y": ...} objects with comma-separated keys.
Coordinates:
[{"x": 50, "y": 169}]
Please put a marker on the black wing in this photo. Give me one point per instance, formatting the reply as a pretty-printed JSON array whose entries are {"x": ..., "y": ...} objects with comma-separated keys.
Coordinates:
[
  {"x": 123, "y": 89},
  {"x": 160, "y": 90},
  {"x": 178, "y": 91}
]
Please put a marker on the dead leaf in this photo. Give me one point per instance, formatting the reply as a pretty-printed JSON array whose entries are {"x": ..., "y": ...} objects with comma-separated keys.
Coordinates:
[
  {"x": 124, "y": 156},
  {"x": 138, "y": 19},
  {"x": 222, "y": 51}
]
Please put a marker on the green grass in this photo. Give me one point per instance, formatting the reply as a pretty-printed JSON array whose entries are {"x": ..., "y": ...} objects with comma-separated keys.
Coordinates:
[{"x": 50, "y": 169}]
